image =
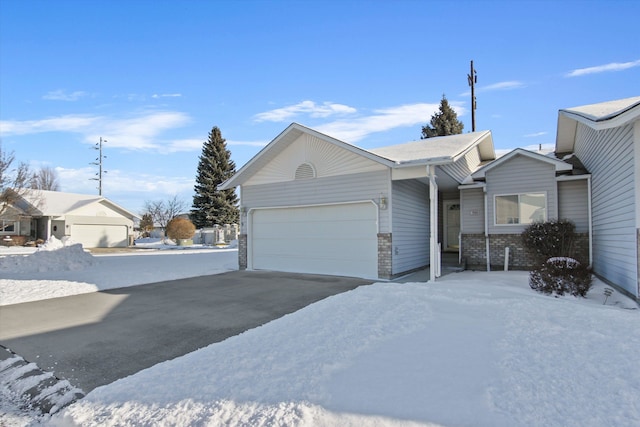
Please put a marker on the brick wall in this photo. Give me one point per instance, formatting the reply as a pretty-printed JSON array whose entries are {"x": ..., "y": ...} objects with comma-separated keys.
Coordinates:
[
  {"x": 474, "y": 251},
  {"x": 385, "y": 256},
  {"x": 242, "y": 251}
]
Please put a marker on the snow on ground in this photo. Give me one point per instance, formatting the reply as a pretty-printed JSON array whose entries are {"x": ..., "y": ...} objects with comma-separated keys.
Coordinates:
[
  {"x": 472, "y": 349},
  {"x": 58, "y": 269}
]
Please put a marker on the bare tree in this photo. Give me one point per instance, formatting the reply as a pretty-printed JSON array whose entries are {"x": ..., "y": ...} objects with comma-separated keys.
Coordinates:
[
  {"x": 162, "y": 212},
  {"x": 46, "y": 178},
  {"x": 13, "y": 180}
]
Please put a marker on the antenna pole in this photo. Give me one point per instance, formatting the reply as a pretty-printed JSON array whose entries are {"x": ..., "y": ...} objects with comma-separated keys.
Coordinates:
[
  {"x": 98, "y": 163},
  {"x": 472, "y": 78}
]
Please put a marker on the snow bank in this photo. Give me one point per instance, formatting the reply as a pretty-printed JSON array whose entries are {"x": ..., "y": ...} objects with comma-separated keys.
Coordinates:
[
  {"x": 474, "y": 349},
  {"x": 54, "y": 255},
  {"x": 70, "y": 271}
]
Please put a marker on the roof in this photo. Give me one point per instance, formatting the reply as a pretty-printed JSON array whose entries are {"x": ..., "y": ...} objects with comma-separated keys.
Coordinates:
[
  {"x": 604, "y": 115},
  {"x": 57, "y": 203},
  {"x": 439, "y": 150},
  {"x": 282, "y": 141},
  {"x": 443, "y": 149},
  {"x": 559, "y": 165}
]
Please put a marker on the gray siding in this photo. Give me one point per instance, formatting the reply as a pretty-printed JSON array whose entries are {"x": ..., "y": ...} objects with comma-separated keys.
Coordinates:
[
  {"x": 608, "y": 156},
  {"x": 573, "y": 203},
  {"x": 410, "y": 209},
  {"x": 520, "y": 175},
  {"x": 334, "y": 189},
  {"x": 472, "y": 211},
  {"x": 462, "y": 168}
]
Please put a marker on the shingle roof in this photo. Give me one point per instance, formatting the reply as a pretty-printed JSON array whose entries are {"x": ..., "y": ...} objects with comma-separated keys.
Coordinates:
[
  {"x": 57, "y": 203},
  {"x": 446, "y": 148}
]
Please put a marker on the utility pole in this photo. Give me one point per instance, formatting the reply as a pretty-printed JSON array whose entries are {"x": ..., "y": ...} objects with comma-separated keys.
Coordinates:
[
  {"x": 472, "y": 78},
  {"x": 98, "y": 163}
]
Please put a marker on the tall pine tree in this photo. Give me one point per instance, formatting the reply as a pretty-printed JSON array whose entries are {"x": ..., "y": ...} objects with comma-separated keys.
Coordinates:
[
  {"x": 443, "y": 122},
  {"x": 210, "y": 205}
]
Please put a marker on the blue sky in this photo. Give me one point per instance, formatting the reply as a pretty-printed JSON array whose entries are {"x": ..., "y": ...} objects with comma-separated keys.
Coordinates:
[{"x": 153, "y": 77}]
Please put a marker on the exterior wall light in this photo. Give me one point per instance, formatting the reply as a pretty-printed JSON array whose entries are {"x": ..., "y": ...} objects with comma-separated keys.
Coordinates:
[{"x": 383, "y": 202}]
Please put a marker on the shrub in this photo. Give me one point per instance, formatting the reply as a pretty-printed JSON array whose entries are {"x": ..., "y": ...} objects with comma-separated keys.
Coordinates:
[
  {"x": 550, "y": 239},
  {"x": 180, "y": 228},
  {"x": 560, "y": 275}
]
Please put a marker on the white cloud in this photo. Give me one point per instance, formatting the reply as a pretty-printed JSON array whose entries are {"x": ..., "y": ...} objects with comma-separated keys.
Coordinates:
[
  {"x": 61, "y": 95},
  {"x": 382, "y": 120},
  {"x": 310, "y": 108},
  {"x": 167, "y": 95},
  {"x": 506, "y": 85},
  {"x": 533, "y": 135},
  {"x": 614, "y": 66},
  {"x": 67, "y": 123},
  {"x": 118, "y": 182},
  {"x": 140, "y": 132}
]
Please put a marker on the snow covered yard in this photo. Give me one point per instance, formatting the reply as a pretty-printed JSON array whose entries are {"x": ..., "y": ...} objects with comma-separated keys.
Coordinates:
[
  {"x": 473, "y": 349},
  {"x": 58, "y": 270}
]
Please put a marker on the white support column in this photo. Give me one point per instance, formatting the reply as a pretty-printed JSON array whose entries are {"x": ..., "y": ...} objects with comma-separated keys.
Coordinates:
[{"x": 434, "y": 259}]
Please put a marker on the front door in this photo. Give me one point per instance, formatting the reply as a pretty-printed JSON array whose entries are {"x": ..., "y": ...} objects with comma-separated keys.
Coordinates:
[{"x": 451, "y": 225}]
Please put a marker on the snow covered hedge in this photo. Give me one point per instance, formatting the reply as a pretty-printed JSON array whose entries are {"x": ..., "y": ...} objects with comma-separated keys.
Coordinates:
[
  {"x": 554, "y": 238},
  {"x": 552, "y": 243},
  {"x": 561, "y": 275}
]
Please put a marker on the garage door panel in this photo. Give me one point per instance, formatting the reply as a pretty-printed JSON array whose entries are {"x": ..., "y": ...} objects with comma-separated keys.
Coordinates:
[
  {"x": 99, "y": 236},
  {"x": 334, "y": 239}
]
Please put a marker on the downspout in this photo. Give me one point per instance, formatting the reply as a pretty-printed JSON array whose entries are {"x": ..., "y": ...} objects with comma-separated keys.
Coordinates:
[
  {"x": 434, "y": 259},
  {"x": 486, "y": 228},
  {"x": 590, "y": 221}
]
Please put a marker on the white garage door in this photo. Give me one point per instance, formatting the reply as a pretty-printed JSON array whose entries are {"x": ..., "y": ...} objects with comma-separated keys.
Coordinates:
[
  {"x": 99, "y": 235},
  {"x": 332, "y": 239}
]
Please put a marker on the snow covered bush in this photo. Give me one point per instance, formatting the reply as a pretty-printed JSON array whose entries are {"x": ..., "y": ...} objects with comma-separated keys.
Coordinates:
[
  {"x": 180, "y": 228},
  {"x": 554, "y": 238},
  {"x": 561, "y": 275}
]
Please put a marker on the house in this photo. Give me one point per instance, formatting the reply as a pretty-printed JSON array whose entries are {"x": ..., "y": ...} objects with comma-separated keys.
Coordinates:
[
  {"x": 311, "y": 203},
  {"x": 500, "y": 199},
  {"x": 93, "y": 221},
  {"x": 606, "y": 138}
]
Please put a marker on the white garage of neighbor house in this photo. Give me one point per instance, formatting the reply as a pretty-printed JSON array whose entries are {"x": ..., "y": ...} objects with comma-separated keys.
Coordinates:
[
  {"x": 93, "y": 221},
  {"x": 314, "y": 204}
]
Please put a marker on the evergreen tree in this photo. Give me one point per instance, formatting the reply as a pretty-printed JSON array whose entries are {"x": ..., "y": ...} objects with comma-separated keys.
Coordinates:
[
  {"x": 210, "y": 205},
  {"x": 443, "y": 122}
]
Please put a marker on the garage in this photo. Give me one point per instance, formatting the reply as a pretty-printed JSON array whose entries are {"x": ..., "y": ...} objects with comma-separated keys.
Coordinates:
[
  {"x": 99, "y": 235},
  {"x": 337, "y": 239}
]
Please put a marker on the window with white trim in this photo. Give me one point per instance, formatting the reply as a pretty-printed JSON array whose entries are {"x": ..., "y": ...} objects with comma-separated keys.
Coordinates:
[
  {"x": 524, "y": 208},
  {"x": 8, "y": 226}
]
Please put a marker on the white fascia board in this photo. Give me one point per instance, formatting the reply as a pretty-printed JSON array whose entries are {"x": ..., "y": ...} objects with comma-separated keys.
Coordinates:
[
  {"x": 476, "y": 143},
  {"x": 573, "y": 177},
  {"x": 605, "y": 122},
  {"x": 470, "y": 186},
  {"x": 559, "y": 164}
]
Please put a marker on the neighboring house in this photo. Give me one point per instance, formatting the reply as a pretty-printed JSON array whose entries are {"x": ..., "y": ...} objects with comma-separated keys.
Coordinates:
[
  {"x": 500, "y": 199},
  {"x": 606, "y": 138},
  {"x": 93, "y": 221}
]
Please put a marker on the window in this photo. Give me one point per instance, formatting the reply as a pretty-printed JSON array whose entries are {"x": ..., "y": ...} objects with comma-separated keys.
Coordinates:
[
  {"x": 8, "y": 226},
  {"x": 520, "y": 208}
]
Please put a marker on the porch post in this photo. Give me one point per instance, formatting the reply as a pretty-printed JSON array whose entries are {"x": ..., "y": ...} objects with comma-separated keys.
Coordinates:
[{"x": 434, "y": 259}]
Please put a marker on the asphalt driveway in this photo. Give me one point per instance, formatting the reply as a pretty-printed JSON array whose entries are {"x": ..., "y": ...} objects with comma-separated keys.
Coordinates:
[{"x": 94, "y": 339}]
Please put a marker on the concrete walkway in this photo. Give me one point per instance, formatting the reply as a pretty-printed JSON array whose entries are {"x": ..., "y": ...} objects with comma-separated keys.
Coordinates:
[{"x": 94, "y": 339}]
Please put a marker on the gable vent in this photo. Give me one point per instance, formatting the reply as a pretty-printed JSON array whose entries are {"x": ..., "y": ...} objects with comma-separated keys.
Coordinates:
[{"x": 305, "y": 171}]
